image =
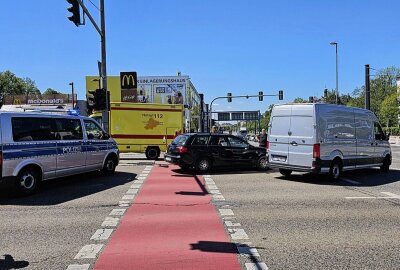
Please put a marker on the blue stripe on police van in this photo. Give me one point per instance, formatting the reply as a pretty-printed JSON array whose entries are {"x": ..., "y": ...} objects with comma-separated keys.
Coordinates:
[
  {"x": 30, "y": 153},
  {"x": 27, "y": 146}
]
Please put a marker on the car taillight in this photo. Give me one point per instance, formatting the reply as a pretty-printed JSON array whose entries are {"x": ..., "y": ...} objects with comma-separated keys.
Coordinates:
[
  {"x": 316, "y": 151},
  {"x": 267, "y": 145},
  {"x": 182, "y": 149}
]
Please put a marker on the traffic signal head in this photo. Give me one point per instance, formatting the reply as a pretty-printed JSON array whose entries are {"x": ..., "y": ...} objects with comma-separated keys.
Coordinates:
[
  {"x": 229, "y": 97},
  {"x": 97, "y": 99},
  {"x": 260, "y": 96},
  {"x": 75, "y": 12},
  {"x": 280, "y": 95},
  {"x": 325, "y": 93}
]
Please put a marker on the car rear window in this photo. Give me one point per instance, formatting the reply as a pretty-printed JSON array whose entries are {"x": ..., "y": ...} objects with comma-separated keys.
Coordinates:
[
  {"x": 201, "y": 140},
  {"x": 181, "y": 139}
]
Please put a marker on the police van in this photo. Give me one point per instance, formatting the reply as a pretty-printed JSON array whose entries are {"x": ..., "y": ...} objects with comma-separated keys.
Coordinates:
[{"x": 37, "y": 147}]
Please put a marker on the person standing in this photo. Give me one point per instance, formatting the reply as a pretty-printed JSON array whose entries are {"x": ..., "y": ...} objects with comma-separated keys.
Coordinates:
[
  {"x": 262, "y": 139},
  {"x": 214, "y": 129}
]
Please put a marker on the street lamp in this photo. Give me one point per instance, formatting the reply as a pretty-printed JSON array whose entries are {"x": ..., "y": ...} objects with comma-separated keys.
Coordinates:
[
  {"x": 73, "y": 94},
  {"x": 337, "y": 79}
]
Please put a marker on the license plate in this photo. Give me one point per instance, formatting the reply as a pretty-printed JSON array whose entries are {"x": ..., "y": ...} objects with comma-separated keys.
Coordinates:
[{"x": 167, "y": 158}]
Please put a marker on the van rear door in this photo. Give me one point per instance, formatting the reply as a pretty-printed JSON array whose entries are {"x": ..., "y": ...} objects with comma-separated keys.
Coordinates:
[
  {"x": 278, "y": 135},
  {"x": 301, "y": 140}
]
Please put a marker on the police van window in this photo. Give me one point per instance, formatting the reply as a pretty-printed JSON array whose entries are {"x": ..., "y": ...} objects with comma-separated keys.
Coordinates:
[
  {"x": 93, "y": 131},
  {"x": 69, "y": 129},
  {"x": 33, "y": 129}
]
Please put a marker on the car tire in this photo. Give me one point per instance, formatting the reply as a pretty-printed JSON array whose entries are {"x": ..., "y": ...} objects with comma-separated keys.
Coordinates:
[
  {"x": 285, "y": 172},
  {"x": 262, "y": 164},
  {"x": 152, "y": 153},
  {"x": 335, "y": 170},
  {"x": 203, "y": 164},
  {"x": 27, "y": 181},
  {"x": 386, "y": 164},
  {"x": 109, "y": 166}
]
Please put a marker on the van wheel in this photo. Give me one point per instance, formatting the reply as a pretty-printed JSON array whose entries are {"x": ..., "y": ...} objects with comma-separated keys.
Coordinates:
[
  {"x": 386, "y": 164},
  {"x": 27, "y": 181},
  {"x": 203, "y": 164},
  {"x": 336, "y": 170},
  {"x": 262, "y": 164},
  {"x": 109, "y": 166},
  {"x": 285, "y": 172},
  {"x": 152, "y": 153}
]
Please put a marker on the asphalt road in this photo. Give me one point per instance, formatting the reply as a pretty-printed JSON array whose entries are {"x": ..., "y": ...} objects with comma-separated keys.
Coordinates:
[{"x": 299, "y": 222}]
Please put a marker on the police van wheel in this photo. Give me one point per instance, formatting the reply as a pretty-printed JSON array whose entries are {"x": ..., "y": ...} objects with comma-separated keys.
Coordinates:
[
  {"x": 27, "y": 181},
  {"x": 152, "y": 153},
  {"x": 336, "y": 170},
  {"x": 109, "y": 166},
  {"x": 386, "y": 164}
]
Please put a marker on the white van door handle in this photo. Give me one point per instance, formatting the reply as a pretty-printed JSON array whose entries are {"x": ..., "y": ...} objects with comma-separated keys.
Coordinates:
[{"x": 294, "y": 143}]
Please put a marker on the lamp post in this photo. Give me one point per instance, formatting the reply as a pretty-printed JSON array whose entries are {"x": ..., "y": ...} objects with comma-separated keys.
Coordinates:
[
  {"x": 337, "y": 79},
  {"x": 73, "y": 94}
]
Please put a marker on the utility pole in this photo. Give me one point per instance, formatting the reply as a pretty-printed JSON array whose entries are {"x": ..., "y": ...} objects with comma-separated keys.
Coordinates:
[
  {"x": 73, "y": 94},
  {"x": 104, "y": 65},
  {"x": 367, "y": 88}
]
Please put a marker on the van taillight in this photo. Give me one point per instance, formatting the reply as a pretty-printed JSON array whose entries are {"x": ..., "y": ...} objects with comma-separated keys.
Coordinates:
[
  {"x": 182, "y": 149},
  {"x": 316, "y": 151},
  {"x": 267, "y": 145}
]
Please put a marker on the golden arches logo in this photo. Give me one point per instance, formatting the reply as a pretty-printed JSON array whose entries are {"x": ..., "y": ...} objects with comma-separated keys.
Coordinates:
[
  {"x": 128, "y": 79},
  {"x": 17, "y": 102}
]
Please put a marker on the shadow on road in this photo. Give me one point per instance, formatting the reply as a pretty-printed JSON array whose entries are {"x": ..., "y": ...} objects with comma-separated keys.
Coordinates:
[
  {"x": 65, "y": 189},
  {"x": 9, "y": 263},
  {"x": 365, "y": 178}
]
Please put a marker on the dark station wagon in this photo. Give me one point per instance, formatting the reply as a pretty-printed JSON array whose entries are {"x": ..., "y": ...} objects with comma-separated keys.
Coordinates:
[{"x": 204, "y": 151}]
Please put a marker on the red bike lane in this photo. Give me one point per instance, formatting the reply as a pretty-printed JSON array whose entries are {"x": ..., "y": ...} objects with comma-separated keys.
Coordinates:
[{"x": 172, "y": 224}]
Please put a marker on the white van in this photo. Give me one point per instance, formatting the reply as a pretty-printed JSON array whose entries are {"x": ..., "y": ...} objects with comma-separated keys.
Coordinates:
[
  {"x": 36, "y": 147},
  {"x": 325, "y": 138}
]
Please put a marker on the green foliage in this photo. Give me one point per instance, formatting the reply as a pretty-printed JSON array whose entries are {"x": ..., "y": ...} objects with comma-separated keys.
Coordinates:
[
  {"x": 13, "y": 85},
  {"x": 389, "y": 111},
  {"x": 51, "y": 91}
]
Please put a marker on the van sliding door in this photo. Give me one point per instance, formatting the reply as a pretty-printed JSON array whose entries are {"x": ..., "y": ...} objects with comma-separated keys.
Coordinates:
[{"x": 279, "y": 139}]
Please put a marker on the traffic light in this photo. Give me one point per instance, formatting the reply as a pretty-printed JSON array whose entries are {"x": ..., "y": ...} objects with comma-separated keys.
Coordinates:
[
  {"x": 260, "y": 96},
  {"x": 75, "y": 11},
  {"x": 229, "y": 97},
  {"x": 280, "y": 94},
  {"x": 97, "y": 99},
  {"x": 325, "y": 93}
]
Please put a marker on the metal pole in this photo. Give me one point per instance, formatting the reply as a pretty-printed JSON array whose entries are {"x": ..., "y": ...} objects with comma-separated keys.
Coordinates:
[
  {"x": 73, "y": 94},
  {"x": 104, "y": 63},
  {"x": 201, "y": 120},
  {"x": 367, "y": 89},
  {"x": 337, "y": 75}
]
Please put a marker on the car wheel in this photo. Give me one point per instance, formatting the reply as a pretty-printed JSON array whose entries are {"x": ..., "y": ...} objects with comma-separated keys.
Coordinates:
[
  {"x": 336, "y": 170},
  {"x": 386, "y": 164},
  {"x": 27, "y": 181},
  {"x": 285, "y": 172},
  {"x": 262, "y": 163},
  {"x": 152, "y": 153},
  {"x": 109, "y": 166},
  {"x": 203, "y": 164}
]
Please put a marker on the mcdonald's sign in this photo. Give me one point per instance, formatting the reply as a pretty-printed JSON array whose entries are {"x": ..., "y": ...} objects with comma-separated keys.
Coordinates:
[{"x": 128, "y": 80}]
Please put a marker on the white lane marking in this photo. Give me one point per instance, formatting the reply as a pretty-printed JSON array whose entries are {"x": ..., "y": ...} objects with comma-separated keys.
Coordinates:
[
  {"x": 132, "y": 191},
  {"x": 78, "y": 267},
  {"x": 110, "y": 222},
  {"x": 350, "y": 181},
  {"x": 149, "y": 167},
  {"x": 215, "y": 192},
  {"x": 101, "y": 234},
  {"x": 389, "y": 196},
  {"x": 117, "y": 212},
  {"x": 136, "y": 185},
  {"x": 231, "y": 224},
  {"x": 212, "y": 187},
  {"x": 89, "y": 251},
  {"x": 226, "y": 212},
  {"x": 206, "y": 176},
  {"x": 140, "y": 178},
  {"x": 238, "y": 234},
  {"x": 143, "y": 175},
  {"x": 128, "y": 197},
  {"x": 248, "y": 251},
  {"x": 218, "y": 198},
  {"x": 256, "y": 266}
]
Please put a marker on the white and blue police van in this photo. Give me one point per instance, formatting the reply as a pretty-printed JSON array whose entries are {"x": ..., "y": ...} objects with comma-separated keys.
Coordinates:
[{"x": 36, "y": 147}]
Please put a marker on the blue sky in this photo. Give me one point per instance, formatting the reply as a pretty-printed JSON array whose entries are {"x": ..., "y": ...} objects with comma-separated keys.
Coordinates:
[{"x": 224, "y": 46}]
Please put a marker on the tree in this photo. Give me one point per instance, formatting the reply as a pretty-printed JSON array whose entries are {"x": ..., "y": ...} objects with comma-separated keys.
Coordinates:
[
  {"x": 299, "y": 100},
  {"x": 51, "y": 91},
  {"x": 389, "y": 110},
  {"x": 13, "y": 85}
]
